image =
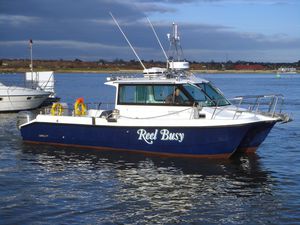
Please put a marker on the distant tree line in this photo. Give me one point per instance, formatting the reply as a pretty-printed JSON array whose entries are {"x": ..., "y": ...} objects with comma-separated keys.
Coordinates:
[{"x": 117, "y": 64}]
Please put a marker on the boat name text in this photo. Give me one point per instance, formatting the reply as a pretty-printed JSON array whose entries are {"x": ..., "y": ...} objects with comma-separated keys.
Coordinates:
[{"x": 163, "y": 134}]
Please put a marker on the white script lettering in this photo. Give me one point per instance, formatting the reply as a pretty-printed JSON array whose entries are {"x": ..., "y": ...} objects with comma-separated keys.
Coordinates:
[
  {"x": 146, "y": 136},
  {"x": 166, "y": 135}
]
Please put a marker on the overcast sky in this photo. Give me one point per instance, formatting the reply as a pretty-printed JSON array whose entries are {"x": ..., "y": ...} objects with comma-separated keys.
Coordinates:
[{"x": 219, "y": 30}]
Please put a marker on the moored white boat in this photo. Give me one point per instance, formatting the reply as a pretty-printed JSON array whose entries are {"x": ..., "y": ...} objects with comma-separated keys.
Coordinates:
[
  {"x": 42, "y": 80},
  {"x": 13, "y": 98}
]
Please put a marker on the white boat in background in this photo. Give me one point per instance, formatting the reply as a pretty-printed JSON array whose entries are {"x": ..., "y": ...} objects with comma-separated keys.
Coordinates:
[
  {"x": 38, "y": 91},
  {"x": 13, "y": 98},
  {"x": 43, "y": 80}
]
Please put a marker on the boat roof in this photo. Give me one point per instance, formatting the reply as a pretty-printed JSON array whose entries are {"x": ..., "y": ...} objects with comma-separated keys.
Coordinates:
[{"x": 160, "y": 79}]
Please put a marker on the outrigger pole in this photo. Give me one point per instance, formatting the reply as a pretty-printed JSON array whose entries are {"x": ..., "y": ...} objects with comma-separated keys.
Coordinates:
[
  {"x": 127, "y": 40},
  {"x": 162, "y": 48}
]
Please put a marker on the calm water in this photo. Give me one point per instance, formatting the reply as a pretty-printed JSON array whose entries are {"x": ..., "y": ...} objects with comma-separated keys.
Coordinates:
[{"x": 49, "y": 185}]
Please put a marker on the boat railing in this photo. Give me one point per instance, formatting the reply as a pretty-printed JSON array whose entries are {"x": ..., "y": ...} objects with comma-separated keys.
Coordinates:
[
  {"x": 268, "y": 105},
  {"x": 100, "y": 105},
  {"x": 120, "y": 75},
  {"x": 69, "y": 110},
  {"x": 263, "y": 104}
]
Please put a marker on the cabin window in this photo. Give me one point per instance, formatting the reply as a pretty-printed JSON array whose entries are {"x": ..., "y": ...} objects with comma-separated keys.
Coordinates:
[
  {"x": 165, "y": 94},
  {"x": 151, "y": 95},
  {"x": 214, "y": 94},
  {"x": 132, "y": 94},
  {"x": 28, "y": 98},
  {"x": 1, "y": 99}
]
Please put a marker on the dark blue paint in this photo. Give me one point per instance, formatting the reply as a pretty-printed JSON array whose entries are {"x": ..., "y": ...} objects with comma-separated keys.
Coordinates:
[
  {"x": 256, "y": 135},
  {"x": 197, "y": 141}
]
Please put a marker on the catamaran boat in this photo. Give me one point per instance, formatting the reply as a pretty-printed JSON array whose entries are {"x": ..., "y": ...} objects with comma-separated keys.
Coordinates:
[
  {"x": 13, "y": 98},
  {"x": 167, "y": 111}
]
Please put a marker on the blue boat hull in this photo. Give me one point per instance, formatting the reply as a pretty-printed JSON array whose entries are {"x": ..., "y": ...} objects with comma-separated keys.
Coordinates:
[
  {"x": 255, "y": 136},
  {"x": 182, "y": 141}
]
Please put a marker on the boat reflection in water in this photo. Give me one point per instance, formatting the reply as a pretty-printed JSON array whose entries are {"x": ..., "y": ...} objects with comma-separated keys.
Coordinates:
[{"x": 127, "y": 188}]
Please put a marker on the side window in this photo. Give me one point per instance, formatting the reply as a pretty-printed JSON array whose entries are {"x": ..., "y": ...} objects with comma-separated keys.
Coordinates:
[
  {"x": 151, "y": 94},
  {"x": 171, "y": 95},
  {"x": 127, "y": 94},
  {"x": 141, "y": 94},
  {"x": 161, "y": 92},
  {"x": 134, "y": 94}
]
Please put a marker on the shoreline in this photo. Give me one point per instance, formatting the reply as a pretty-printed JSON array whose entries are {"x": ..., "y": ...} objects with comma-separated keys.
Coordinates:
[{"x": 135, "y": 71}]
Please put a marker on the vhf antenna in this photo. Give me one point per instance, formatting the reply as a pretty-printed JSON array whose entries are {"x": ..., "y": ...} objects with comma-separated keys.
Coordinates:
[
  {"x": 127, "y": 40},
  {"x": 175, "y": 42},
  {"x": 162, "y": 48}
]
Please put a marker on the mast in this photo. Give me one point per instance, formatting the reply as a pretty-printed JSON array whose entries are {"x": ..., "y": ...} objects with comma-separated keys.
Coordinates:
[
  {"x": 175, "y": 46},
  {"x": 175, "y": 51},
  {"x": 31, "y": 61}
]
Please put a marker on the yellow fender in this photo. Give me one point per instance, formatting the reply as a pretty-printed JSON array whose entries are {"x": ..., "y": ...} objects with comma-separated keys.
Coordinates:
[
  {"x": 80, "y": 108},
  {"x": 57, "y": 109}
]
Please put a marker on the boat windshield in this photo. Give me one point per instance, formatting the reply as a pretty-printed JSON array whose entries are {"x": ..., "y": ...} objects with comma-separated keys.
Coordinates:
[{"x": 206, "y": 94}]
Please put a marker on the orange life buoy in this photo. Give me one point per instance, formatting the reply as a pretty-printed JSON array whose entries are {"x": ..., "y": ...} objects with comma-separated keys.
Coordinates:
[{"x": 79, "y": 107}]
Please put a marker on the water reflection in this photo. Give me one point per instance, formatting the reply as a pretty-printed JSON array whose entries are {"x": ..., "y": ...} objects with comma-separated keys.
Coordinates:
[{"x": 133, "y": 188}]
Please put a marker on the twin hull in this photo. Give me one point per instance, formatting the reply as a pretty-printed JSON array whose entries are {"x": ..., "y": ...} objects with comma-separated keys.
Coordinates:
[{"x": 217, "y": 141}]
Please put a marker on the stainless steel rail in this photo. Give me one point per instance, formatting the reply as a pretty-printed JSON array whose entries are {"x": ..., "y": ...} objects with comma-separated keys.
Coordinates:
[{"x": 267, "y": 105}]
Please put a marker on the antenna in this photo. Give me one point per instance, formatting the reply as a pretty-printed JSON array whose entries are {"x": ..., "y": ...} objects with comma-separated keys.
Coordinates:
[
  {"x": 162, "y": 48},
  {"x": 175, "y": 46},
  {"x": 127, "y": 40}
]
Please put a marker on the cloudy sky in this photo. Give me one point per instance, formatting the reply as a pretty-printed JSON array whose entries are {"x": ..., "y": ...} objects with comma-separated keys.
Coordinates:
[{"x": 219, "y": 30}]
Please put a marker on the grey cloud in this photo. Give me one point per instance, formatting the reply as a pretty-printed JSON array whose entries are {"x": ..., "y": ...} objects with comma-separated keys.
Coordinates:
[
  {"x": 69, "y": 29},
  {"x": 16, "y": 20},
  {"x": 215, "y": 1}
]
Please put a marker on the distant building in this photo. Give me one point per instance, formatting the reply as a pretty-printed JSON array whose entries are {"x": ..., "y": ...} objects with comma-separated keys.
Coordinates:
[
  {"x": 287, "y": 70},
  {"x": 249, "y": 67}
]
